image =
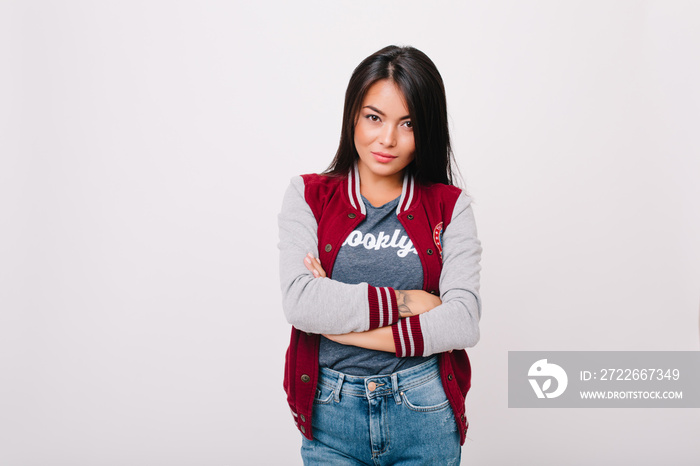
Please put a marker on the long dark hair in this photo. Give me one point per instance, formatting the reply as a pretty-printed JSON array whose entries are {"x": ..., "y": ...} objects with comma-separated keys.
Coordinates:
[{"x": 422, "y": 87}]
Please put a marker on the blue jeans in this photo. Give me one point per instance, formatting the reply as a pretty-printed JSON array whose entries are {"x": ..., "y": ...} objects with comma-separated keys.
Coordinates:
[{"x": 402, "y": 418}]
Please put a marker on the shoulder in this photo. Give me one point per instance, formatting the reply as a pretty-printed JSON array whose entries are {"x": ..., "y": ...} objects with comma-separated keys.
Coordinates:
[
  {"x": 444, "y": 202},
  {"x": 441, "y": 189},
  {"x": 443, "y": 194},
  {"x": 315, "y": 182},
  {"x": 318, "y": 190},
  {"x": 320, "y": 181},
  {"x": 318, "y": 185}
]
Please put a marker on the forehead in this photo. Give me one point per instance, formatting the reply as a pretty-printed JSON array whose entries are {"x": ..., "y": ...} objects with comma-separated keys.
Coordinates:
[{"x": 386, "y": 94}]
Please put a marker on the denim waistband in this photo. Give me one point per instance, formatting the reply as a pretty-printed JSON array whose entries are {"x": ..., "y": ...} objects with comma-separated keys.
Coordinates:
[{"x": 378, "y": 385}]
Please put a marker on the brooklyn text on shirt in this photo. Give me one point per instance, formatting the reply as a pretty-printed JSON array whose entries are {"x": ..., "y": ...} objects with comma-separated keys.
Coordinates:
[{"x": 383, "y": 241}]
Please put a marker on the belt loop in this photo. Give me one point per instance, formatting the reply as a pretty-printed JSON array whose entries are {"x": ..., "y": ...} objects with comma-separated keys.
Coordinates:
[
  {"x": 338, "y": 385},
  {"x": 395, "y": 388}
]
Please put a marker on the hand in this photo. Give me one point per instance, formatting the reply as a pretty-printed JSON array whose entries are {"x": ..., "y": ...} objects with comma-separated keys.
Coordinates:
[
  {"x": 415, "y": 302},
  {"x": 314, "y": 265}
]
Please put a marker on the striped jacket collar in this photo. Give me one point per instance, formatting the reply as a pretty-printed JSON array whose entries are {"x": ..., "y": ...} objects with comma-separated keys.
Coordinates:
[{"x": 408, "y": 192}]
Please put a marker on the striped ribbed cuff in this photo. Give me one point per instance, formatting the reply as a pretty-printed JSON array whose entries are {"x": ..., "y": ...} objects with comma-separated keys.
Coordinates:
[
  {"x": 408, "y": 338},
  {"x": 383, "y": 309}
]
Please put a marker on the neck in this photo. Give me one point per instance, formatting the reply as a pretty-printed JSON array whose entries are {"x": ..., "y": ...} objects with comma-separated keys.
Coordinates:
[
  {"x": 379, "y": 190},
  {"x": 372, "y": 180}
]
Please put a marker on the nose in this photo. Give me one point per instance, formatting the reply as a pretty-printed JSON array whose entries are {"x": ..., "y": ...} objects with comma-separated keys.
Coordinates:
[{"x": 388, "y": 136}]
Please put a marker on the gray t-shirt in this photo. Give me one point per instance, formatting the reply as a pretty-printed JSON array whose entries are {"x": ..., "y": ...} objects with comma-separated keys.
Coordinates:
[{"x": 380, "y": 253}]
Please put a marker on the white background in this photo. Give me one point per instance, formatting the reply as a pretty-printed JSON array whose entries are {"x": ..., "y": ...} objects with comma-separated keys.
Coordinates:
[{"x": 144, "y": 150}]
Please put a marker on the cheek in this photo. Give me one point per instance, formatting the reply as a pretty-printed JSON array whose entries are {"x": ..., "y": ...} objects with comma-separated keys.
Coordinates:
[
  {"x": 409, "y": 144},
  {"x": 362, "y": 135}
]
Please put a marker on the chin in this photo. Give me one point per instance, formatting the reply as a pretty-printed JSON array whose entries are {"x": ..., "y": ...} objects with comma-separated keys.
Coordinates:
[{"x": 384, "y": 170}]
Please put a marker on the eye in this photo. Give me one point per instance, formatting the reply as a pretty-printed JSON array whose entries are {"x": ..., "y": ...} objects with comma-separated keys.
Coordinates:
[
  {"x": 408, "y": 124},
  {"x": 372, "y": 117}
]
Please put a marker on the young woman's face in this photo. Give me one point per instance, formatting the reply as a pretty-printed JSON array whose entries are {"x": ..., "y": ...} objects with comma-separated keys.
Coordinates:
[{"x": 383, "y": 132}]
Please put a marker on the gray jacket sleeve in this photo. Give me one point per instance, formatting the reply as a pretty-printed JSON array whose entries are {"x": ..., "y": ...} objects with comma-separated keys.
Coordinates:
[
  {"x": 322, "y": 305},
  {"x": 455, "y": 323}
]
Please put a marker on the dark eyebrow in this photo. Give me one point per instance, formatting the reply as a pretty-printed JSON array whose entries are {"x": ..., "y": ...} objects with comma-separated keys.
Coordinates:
[{"x": 375, "y": 109}]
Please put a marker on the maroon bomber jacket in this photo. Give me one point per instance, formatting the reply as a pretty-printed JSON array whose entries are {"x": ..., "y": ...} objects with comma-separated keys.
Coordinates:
[{"x": 338, "y": 209}]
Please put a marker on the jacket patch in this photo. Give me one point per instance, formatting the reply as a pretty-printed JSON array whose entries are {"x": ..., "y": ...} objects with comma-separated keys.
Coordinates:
[{"x": 437, "y": 237}]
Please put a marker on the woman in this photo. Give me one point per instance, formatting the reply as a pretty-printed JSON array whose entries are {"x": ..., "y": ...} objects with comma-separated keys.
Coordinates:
[{"x": 379, "y": 267}]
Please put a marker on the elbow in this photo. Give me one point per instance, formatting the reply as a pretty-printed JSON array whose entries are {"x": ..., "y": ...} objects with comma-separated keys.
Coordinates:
[
  {"x": 468, "y": 333},
  {"x": 290, "y": 315},
  {"x": 470, "y": 338},
  {"x": 293, "y": 314},
  {"x": 471, "y": 333},
  {"x": 296, "y": 308},
  {"x": 464, "y": 335},
  {"x": 303, "y": 313},
  {"x": 296, "y": 321},
  {"x": 293, "y": 307}
]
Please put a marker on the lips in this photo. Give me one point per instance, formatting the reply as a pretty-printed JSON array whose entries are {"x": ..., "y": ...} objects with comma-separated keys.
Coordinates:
[{"x": 383, "y": 157}]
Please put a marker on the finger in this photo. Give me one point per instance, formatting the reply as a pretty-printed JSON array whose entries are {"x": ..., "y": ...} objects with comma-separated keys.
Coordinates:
[
  {"x": 309, "y": 265},
  {"x": 314, "y": 266},
  {"x": 319, "y": 267}
]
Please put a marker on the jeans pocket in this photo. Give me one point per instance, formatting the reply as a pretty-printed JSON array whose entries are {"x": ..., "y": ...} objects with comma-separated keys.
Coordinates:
[
  {"x": 324, "y": 395},
  {"x": 427, "y": 397}
]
